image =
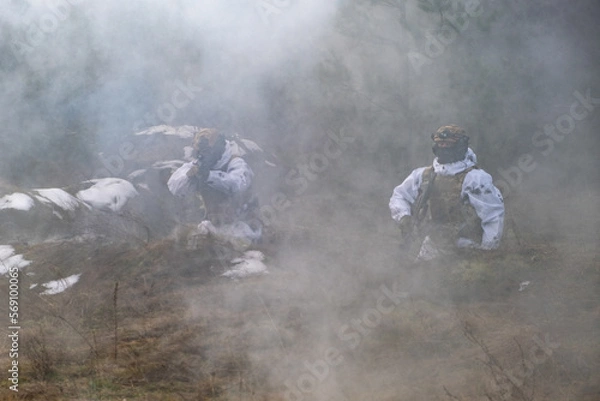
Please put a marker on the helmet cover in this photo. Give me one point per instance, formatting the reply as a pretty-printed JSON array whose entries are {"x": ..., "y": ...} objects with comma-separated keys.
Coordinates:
[{"x": 450, "y": 143}]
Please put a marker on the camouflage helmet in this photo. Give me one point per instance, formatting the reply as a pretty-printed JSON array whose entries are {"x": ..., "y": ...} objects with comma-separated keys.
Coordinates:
[
  {"x": 209, "y": 145},
  {"x": 449, "y": 135},
  {"x": 211, "y": 135},
  {"x": 450, "y": 143}
]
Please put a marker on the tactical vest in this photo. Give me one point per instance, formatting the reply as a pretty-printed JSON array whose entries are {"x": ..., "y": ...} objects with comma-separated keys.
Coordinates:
[
  {"x": 222, "y": 208},
  {"x": 451, "y": 214}
]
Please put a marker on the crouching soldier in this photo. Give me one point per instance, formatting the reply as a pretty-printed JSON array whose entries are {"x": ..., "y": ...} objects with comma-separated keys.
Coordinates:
[
  {"x": 223, "y": 178},
  {"x": 453, "y": 201}
]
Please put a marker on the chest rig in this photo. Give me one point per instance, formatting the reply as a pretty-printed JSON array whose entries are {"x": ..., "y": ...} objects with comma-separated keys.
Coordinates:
[
  {"x": 451, "y": 214},
  {"x": 222, "y": 208}
]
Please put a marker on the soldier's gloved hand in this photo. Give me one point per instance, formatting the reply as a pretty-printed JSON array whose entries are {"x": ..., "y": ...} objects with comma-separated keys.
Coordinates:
[
  {"x": 405, "y": 225},
  {"x": 200, "y": 173},
  {"x": 203, "y": 175}
]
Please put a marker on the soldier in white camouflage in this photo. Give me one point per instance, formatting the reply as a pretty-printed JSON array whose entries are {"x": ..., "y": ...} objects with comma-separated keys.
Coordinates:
[
  {"x": 224, "y": 180},
  {"x": 453, "y": 201}
]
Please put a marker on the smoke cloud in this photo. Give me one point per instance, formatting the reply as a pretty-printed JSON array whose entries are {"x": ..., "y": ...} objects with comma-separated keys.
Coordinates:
[{"x": 345, "y": 94}]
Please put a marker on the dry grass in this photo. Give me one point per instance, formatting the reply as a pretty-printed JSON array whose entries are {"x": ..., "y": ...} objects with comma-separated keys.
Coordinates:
[{"x": 174, "y": 330}]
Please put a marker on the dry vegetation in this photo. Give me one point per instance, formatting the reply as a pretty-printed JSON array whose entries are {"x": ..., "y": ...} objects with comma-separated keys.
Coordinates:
[
  {"x": 159, "y": 323},
  {"x": 155, "y": 321}
]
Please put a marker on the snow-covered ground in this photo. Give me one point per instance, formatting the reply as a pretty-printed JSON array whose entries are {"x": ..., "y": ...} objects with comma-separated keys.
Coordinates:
[
  {"x": 18, "y": 201},
  {"x": 58, "y": 286},
  {"x": 108, "y": 193},
  {"x": 58, "y": 197},
  {"x": 8, "y": 259},
  {"x": 104, "y": 194},
  {"x": 251, "y": 264},
  {"x": 184, "y": 131}
]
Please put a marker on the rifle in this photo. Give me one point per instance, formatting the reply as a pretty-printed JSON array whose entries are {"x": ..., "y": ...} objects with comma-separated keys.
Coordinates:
[{"x": 206, "y": 157}]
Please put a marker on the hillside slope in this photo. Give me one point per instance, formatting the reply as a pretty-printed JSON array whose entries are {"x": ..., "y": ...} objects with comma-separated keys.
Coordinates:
[{"x": 338, "y": 317}]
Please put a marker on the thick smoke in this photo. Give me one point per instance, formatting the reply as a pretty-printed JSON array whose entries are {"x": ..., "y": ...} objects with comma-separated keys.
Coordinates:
[
  {"x": 345, "y": 94},
  {"x": 90, "y": 73}
]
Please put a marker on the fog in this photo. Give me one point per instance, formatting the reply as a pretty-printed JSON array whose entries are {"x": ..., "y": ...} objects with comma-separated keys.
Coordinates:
[
  {"x": 104, "y": 70},
  {"x": 344, "y": 94},
  {"x": 89, "y": 74}
]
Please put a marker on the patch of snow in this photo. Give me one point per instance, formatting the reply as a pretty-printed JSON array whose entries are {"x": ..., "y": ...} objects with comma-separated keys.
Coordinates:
[
  {"x": 172, "y": 164},
  {"x": 135, "y": 174},
  {"x": 54, "y": 212},
  {"x": 184, "y": 131},
  {"x": 108, "y": 193},
  {"x": 524, "y": 285},
  {"x": 8, "y": 260},
  {"x": 32, "y": 286},
  {"x": 249, "y": 265},
  {"x": 6, "y": 251},
  {"x": 58, "y": 197},
  {"x": 14, "y": 261},
  {"x": 58, "y": 286},
  {"x": 17, "y": 201},
  {"x": 251, "y": 145}
]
